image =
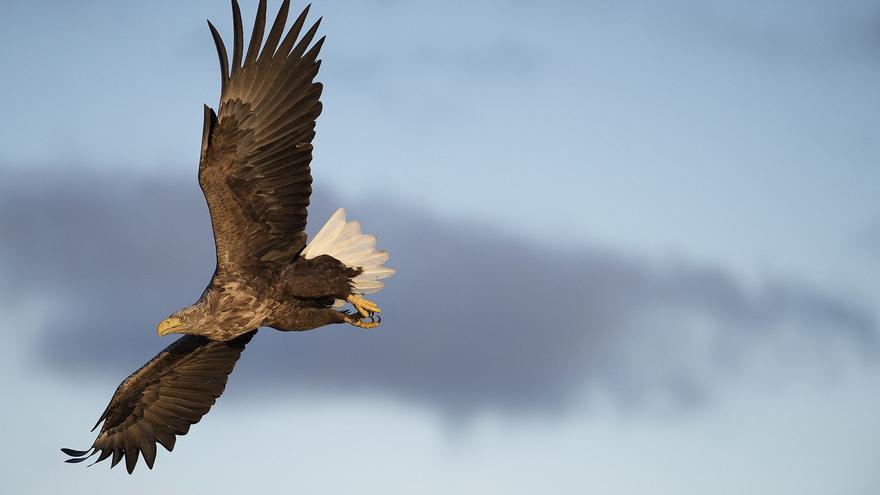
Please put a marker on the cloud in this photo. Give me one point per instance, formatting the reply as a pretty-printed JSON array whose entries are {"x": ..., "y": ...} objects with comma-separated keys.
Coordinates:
[
  {"x": 869, "y": 239},
  {"x": 823, "y": 31},
  {"x": 498, "y": 58},
  {"x": 476, "y": 319}
]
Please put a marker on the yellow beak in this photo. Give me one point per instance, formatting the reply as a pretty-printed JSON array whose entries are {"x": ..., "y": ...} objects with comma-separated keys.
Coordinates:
[{"x": 168, "y": 326}]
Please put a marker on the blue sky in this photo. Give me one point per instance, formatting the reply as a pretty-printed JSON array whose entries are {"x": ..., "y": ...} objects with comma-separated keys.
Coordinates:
[{"x": 685, "y": 193}]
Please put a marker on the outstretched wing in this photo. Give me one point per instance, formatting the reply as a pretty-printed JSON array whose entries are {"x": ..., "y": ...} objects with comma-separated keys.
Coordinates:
[
  {"x": 163, "y": 399},
  {"x": 254, "y": 168}
]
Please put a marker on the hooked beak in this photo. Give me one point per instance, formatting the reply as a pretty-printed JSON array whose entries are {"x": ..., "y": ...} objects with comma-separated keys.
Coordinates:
[{"x": 169, "y": 326}]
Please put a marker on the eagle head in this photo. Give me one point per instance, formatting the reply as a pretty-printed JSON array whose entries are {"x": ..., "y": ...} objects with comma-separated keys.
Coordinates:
[
  {"x": 187, "y": 320},
  {"x": 172, "y": 324}
]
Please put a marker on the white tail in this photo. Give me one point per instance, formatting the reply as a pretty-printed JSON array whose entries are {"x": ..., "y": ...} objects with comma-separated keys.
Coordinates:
[{"x": 344, "y": 241}]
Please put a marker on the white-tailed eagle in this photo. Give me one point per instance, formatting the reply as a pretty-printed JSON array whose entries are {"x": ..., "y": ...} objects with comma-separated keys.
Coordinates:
[{"x": 255, "y": 173}]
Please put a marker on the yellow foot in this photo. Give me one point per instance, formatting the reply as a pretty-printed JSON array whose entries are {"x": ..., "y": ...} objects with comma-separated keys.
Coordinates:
[
  {"x": 363, "y": 306},
  {"x": 368, "y": 322}
]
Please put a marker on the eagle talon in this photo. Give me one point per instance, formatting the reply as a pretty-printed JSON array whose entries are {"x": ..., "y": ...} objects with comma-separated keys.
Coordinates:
[
  {"x": 367, "y": 322},
  {"x": 363, "y": 306}
]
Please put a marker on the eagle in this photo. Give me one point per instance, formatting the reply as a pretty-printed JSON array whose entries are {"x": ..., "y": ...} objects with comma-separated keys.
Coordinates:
[{"x": 254, "y": 171}]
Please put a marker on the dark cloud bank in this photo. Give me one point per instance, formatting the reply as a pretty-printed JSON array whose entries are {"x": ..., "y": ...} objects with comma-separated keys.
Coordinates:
[{"x": 476, "y": 319}]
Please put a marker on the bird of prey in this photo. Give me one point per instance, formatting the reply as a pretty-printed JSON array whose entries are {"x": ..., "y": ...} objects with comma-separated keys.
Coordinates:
[{"x": 254, "y": 171}]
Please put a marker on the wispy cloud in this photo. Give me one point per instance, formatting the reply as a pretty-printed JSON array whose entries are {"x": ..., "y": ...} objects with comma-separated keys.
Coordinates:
[
  {"x": 819, "y": 31},
  {"x": 476, "y": 319}
]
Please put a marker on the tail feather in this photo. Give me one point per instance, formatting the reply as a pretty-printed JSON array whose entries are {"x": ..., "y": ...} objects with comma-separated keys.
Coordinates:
[
  {"x": 376, "y": 273},
  {"x": 344, "y": 241}
]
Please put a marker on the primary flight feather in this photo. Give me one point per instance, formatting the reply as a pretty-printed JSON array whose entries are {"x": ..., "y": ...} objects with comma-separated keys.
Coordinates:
[{"x": 255, "y": 173}]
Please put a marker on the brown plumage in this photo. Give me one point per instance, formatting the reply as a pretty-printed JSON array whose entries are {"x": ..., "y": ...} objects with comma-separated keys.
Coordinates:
[{"x": 255, "y": 173}]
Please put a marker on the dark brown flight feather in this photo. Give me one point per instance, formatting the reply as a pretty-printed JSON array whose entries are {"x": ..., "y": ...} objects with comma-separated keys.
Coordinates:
[
  {"x": 256, "y": 172},
  {"x": 163, "y": 399}
]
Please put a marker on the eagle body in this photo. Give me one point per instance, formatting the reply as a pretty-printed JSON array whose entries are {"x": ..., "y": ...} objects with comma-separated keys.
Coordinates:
[
  {"x": 254, "y": 170},
  {"x": 288, "y": 297}
]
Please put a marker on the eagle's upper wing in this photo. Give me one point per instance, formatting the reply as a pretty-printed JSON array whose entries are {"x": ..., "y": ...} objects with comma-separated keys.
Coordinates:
[
  {"x": 254, "y": 167},
  {"x": 163, "y": 399}
]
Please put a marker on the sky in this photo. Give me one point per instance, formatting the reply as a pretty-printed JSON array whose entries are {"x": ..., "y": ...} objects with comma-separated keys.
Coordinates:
[{"x": 637, "y": 247}]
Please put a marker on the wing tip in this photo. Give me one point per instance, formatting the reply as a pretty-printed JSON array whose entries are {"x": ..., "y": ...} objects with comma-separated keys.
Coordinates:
[
  {"x": 77, "y": 456},
  {"x": 238, "y": 34},
  {"x": 74, "y": 452}
]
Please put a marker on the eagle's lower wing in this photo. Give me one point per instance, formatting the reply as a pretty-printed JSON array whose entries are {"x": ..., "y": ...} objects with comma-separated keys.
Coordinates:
[
  {"x": 254, "y": 167},
  {"x": 163, "y": 399}
]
